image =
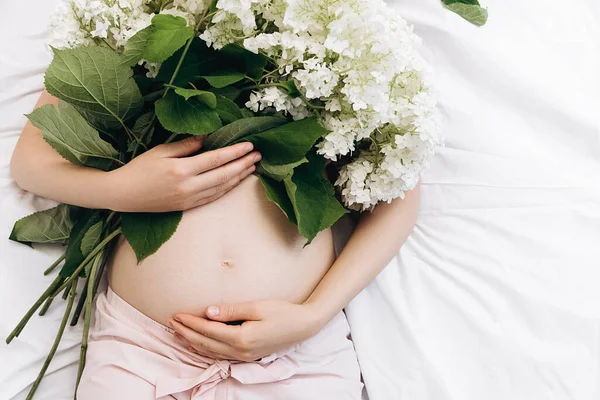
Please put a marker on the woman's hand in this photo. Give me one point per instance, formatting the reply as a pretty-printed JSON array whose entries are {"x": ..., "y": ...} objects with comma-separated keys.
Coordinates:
[
  {"x": 268, "y": 327},
  {"x": 165, "y": 179}
]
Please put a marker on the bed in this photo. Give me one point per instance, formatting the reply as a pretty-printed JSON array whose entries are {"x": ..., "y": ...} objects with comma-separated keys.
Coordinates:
[{"x": 496, "y": 294}]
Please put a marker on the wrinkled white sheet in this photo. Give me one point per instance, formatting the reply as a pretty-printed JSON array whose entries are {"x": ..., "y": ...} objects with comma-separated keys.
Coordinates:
[{"x": 495, "y": 296}]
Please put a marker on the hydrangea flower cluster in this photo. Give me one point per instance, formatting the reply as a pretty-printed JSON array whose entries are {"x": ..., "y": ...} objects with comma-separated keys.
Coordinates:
[
  {"x": 79, "y": 23},
  {"x": 355, "y": 65}
]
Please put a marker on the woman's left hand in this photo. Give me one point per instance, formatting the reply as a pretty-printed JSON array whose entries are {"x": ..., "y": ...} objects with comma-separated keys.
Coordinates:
[{"x": 268, "y": 327}]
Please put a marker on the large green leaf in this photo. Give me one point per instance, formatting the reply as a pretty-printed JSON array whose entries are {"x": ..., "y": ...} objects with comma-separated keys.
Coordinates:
[
  {"x": 72, "y": 137},
  {"x": 223, "y": 78},
  {"x": 167, "y": 35},
  {"x": 278, "y": 172},
  {"x": 91, "y": 238},
  {"x": 199, "y": 60},
  {"x": 227, "y": 110},
  {"x": 469, "y": 10},
  {"x": 74, "y": 255},
  {"x": 186, "y": 116},
  {"x": 134, "y": 49},
  {"x": 146, "y": 232},
  {"x": 208, "y": 98},
  {"x": 243, "y": 60},
  {"x": 93, "y": 79},
  {"x": 313, "y": 198},
  {"x": 47, "y": 226},
  {"x": 288, "y": 143},
  {"x": 276, "y": 193},
  {"x": 237, "y": 130}
]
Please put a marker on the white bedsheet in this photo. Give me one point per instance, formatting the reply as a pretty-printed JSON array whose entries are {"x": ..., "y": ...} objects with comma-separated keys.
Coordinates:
[{"x": 495, "y": 296}]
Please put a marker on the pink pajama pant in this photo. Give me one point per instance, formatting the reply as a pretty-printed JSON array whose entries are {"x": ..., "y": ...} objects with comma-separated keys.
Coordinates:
[{"x": 132, "y": 357}]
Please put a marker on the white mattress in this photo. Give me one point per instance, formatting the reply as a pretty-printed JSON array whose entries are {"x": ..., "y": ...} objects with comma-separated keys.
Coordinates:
[{"x": 495, "y": 295}]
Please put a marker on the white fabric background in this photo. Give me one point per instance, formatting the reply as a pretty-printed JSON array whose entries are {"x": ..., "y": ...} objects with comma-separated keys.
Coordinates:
[{"x": 495, "y": 296}]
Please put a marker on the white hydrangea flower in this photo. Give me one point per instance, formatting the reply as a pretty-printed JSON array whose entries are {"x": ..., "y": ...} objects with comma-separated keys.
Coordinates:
[
  {"x": 279, "y": 100},
  {"x": 355, "y": 63}
]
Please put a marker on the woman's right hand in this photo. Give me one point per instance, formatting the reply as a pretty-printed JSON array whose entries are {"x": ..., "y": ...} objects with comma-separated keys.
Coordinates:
[{"x": 168, "y": 178}]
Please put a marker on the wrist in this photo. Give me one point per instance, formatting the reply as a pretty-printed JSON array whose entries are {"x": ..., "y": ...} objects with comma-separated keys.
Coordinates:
[
  {"x": 320, "y": 310},
  {"x": 110, "y": 191}
]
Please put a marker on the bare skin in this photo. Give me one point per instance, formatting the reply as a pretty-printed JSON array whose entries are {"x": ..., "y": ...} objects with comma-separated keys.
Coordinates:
[{"x": 234, "y": 257}]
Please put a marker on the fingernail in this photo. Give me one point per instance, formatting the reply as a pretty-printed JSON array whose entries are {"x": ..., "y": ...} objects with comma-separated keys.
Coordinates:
[
  {"x": 257, "y": 158},
  {"x": 249, "y": 146},
  {"x": 213, "y": 311},
  {"x": 251, "y": 170}
]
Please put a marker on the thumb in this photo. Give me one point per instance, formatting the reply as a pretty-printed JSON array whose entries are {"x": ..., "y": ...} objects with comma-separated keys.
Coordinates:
[
  {"x": 184, "y": 147},
  {"x": 233, "y": 312}
]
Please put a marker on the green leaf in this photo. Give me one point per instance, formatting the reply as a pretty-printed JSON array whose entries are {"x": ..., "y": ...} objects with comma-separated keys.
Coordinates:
[
  {"x": 167, "y": 35},
  {"x": 231, "y": 92},
  {"x": 143, "y": 123},
  {"x": 224, "y": 78},
  {"x": 212, "y": 7},
  {"x": 186, "y": 116},
  {"x": 91, "y": 237},
  {"x": 247, "y": 113},
  {"x": 469, "y": 10},
  {"x": 94, "y": 80},
  {"x": 291, "y": 88},
  {"x": 74, "y": 256},
  {"x": 134, "y": 49},
  {"x": 276, "y": 193},
  {"x": 313, "y": 198},
  {"x": 243, "y": 60},
  {"x": 278, "y": 172},
  {"x": 72, "y": 137},
  {"x": 228, "y": 110},
  {"x": 144, "y": 126},
  {"x": 288, "y": 143},
  {"x": 146, "y": 232},
  {"x": 199, "y": 60},
  {"x": 239, "y": 129},
  {"x": 208, "y": 98},
  {"x": 47, "y": 226}
]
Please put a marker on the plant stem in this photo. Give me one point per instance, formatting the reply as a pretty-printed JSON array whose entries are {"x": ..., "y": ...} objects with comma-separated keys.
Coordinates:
[
  {"x": 65, "y": 292},
  {"x": 59, "y": 334},
  {"x": 91, "y": 284},
  {"x": 45, "y": 307},
  {"x": 19, "y": 328},
  {"x": 180, "y": 63},
  {"x": 89, "y": 258},
  {"x": 55, "y": 264}
]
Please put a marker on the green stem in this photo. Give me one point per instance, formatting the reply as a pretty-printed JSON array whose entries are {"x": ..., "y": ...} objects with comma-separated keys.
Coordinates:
[
  {"x": 180, "y": 63},
  {"x": 45, "y": 307},
  {"x": 87, "y": 318},
  {"x": 89, "y": 258},
  {"x": 59, "y": 335},
  {"x": 55, "y": 264},
  {"x": 19, "y": 328},
  {"x": 65, "y": 292}
]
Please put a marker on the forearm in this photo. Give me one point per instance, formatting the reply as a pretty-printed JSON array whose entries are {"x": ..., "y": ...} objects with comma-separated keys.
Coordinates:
[
  {"x": 377, "y": 238},
  {"x": 64, "y": 182}
]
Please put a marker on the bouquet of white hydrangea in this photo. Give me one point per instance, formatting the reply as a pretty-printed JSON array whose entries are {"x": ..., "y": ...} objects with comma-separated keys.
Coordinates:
[
  {"x": 352, "y": 64},
  {"x": 311, "y": 83}
]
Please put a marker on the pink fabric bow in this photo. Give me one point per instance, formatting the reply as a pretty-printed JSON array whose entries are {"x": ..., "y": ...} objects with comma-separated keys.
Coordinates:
[{"x": 243, "y": 372}]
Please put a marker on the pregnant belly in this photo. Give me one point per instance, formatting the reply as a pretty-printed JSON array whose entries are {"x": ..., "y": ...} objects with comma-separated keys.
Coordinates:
[{"x": 236, "y": 249}]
